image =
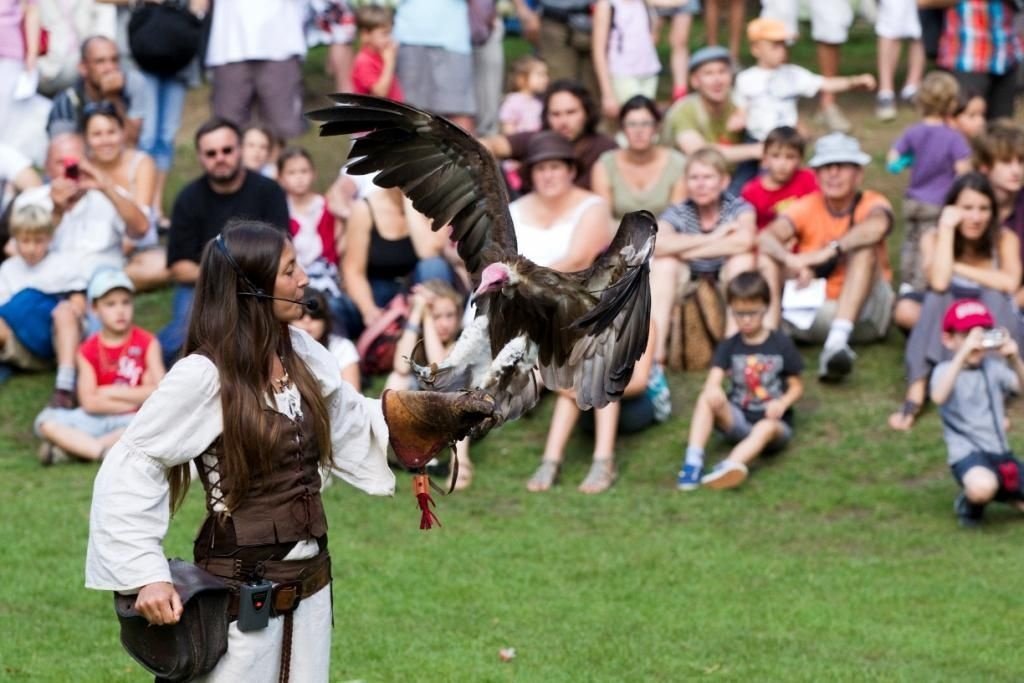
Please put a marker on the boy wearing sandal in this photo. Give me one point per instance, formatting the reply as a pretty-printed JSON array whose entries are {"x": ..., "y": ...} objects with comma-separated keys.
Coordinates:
[{"x": 763, "y": 367}]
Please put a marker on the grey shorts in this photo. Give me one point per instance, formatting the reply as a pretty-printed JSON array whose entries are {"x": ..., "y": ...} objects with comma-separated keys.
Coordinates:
[
  {"x": 95, "y": 426},
  {"x": 436, "y": 79},
  {"x": 691, "y": 7},
  {"x": 741, "y": 428}
]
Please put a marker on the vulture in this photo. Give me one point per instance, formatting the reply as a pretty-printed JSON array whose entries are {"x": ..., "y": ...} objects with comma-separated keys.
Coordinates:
[{"x": 584, "y": 330}]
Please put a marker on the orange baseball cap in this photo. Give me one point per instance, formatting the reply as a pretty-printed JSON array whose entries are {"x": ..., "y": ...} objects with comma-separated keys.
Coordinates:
[{"x": 767, "y": 29}]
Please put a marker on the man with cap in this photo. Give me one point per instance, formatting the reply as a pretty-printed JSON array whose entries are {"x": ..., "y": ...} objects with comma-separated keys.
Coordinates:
[
  {"x": 837, "y": 233},
  {"x": 707, "y": 117},
  {"x": 970, "y": 390}
]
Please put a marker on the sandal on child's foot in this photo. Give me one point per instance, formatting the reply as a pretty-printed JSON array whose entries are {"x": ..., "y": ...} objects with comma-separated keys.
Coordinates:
[
  {"x": 601, "y": 476},
  {"x": 545, "y": 476}
]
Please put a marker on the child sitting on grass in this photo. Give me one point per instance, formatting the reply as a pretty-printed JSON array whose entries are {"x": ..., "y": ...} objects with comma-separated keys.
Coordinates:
[
  {"x": 118, "y": 368},
  {"x": 785, "y": 177},
  {"x": 938, "y": 153},
  {"x": 318, "y": 325},
  {"x": 763, "y": 367},
  {"x": 969, "y": 390},
  {"x": 33, "y": 283}
]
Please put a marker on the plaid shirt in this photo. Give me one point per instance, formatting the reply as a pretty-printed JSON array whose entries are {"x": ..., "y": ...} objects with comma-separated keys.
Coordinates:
[{"x": 979, "y": 37}]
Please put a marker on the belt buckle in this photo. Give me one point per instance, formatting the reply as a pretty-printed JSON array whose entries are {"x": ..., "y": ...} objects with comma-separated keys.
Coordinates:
[{"x": 286, "y": 596}]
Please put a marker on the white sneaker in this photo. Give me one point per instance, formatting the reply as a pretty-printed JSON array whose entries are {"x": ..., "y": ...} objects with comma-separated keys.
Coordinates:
[{"x": 725, "y": 475}]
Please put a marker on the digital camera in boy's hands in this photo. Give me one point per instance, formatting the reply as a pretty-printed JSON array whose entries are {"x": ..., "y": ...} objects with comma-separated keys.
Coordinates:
[
  {"x": 254, "y": 600},
  {"x": 993, "y": 339}
]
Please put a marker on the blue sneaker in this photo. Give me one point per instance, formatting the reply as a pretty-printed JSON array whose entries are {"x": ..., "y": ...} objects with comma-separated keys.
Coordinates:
[{"x": 689, "y": 477}]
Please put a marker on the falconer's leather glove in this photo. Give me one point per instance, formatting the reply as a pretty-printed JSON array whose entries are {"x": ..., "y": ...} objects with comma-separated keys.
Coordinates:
[{"x": 422, "y": 423}]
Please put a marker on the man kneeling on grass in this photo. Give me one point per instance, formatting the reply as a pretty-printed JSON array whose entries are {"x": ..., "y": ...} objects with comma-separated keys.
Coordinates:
[
  {"x": 764, "y": 368},
  {"x": 969, "y": 390}
]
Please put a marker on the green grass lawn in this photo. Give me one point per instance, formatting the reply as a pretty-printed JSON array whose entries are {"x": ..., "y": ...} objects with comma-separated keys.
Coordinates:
[{"x": 838, "y": 560}]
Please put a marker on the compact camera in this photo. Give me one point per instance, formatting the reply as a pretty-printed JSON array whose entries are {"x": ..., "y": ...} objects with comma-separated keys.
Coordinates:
[{"x": 993, "y": 339}]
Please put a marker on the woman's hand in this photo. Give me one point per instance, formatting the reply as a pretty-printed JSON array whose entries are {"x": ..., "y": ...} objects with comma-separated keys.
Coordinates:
[
  {"x": 159, "y": 603},
  {"x": 950, "y": 217},
  {"x": 92, "y": 178}
]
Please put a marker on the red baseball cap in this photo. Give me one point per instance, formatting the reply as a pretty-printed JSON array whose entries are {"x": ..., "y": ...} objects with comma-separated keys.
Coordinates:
[{"x": 966, "y": 314}]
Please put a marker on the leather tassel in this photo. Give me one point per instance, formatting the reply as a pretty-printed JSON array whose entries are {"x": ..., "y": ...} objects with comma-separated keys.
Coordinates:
[{"x": 421, "y": 487}]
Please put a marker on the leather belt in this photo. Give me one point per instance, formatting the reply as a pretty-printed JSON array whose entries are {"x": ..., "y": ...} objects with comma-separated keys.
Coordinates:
[{"x": 293, "y": 580}]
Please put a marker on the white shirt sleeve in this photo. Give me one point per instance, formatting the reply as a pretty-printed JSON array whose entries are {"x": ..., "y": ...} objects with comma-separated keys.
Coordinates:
[
  {"x": 131, "y": 495},
  {"x": 359, "y": 436},
  {"x": 806, "y": 83}
]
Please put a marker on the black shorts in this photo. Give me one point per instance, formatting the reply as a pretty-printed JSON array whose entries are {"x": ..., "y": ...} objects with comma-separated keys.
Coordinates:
[{"x": 997, "y": 464}]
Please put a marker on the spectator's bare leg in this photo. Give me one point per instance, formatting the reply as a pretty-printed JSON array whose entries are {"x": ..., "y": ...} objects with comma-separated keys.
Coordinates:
[
  {"x": 860, "y": 278},
  {"x": 563, "y": 420},
  {"x": 888, "y": 60},
  {"x": 916, "y": 61},
  {"x": 679, "y": 58},
  {"x": 339, "y": 65},
  {"x": 147, "y": 269},
  {"x": 5, "y": 332},
  {"x": 76, "y": 442},
  {"x": 737, "y": 13},
  {"x": 67, "y": 333},
  {"x": 775, "y": 276},
  {"x": 828, "y": 64},
  {"x": 712, "y": 10},
  {"x": 763, "y": 433},
  {"x": 664, "y": 276},
  {"x": 906, "y": 313},
  {"x": 709, "y": 410},
  {"x": 980, "y": 485},
  {"x": 606, "y": 427}
]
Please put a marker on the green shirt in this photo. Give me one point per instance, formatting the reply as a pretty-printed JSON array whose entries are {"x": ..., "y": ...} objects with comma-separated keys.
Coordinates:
[{"x": 690, "y": 113}]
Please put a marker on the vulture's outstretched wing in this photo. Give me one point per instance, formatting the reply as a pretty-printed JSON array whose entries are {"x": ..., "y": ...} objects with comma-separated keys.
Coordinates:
[
  {"x": 590, "y": 326},
  {"x": 449, "y": 176}
]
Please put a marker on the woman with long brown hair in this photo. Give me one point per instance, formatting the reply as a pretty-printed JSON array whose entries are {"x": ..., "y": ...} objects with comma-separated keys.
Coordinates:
[{"x": 261, "y": 409}]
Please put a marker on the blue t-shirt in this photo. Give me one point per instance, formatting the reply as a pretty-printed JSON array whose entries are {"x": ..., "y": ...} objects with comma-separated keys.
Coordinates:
[{"x": 434, "y": 23}]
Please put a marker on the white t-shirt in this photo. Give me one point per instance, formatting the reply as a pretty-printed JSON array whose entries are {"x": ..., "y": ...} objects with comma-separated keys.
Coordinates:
[
  {"x": 268, "y": 29},
  {"x": 92, "y": 231},
  {"x": 343, "y": 350},
  {"x": 769, "y": 96},
  {"x": 55, "y": 274}
]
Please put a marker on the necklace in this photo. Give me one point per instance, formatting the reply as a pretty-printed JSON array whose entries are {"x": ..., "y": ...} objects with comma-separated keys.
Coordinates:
[{"x": 282, "y": 382}]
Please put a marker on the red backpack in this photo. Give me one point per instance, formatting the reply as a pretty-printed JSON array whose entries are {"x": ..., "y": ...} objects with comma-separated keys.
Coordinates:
[{"x": 377, "y": 343}]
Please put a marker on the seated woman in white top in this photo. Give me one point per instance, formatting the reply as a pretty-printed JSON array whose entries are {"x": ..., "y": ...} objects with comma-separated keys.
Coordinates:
[{"x": 558, "y": 225}]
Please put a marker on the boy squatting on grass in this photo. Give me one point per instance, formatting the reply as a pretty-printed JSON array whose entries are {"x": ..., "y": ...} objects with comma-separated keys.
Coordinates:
[
  {"x": 764, "y": 368},
  {"x": 969, "y": 390},
  {"x": 118, "y": 368}
]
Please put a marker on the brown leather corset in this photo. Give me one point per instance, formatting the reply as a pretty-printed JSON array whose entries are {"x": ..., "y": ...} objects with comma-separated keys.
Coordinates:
[{"x": 280, "y": 508}]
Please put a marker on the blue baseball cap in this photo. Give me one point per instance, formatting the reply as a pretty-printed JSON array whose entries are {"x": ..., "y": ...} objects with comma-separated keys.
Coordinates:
[
  {"x": 711, "y": 53},
  {"x": 105, "y": 281}
]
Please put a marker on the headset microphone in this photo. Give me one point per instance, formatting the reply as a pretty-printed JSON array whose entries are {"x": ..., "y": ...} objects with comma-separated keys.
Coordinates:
[{"x": 311, "y": 305}]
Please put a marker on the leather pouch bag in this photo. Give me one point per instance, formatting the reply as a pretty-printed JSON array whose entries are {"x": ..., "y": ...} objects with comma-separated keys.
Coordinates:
[{"x": 193, "y": 646}]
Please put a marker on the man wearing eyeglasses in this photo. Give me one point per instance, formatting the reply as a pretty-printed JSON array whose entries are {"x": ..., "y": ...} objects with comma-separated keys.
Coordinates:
[
  {"x": 226, "y": 190},
  {"x": 101, "y": 79}
]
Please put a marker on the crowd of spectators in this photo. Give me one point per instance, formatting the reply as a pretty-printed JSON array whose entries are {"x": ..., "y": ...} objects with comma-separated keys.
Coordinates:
[{"x": 755, "y": 250}]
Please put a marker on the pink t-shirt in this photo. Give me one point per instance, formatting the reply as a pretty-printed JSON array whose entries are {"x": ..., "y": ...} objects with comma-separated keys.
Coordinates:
[
  {"x": 522, "y": 110},
  {"x": 366, "y": 69},
  {"x": 12, "y": 44}
]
